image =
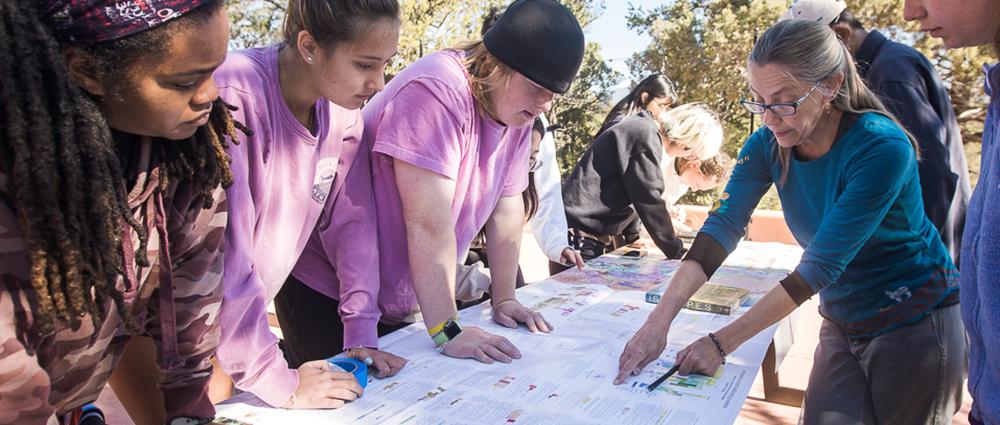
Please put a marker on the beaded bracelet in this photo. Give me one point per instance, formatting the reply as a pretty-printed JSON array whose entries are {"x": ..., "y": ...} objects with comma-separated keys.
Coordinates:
[{"x": 718, "y": 346}]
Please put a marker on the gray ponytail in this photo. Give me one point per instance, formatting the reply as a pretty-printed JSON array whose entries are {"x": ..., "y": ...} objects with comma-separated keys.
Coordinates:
[{"x": 811, "y": 53}]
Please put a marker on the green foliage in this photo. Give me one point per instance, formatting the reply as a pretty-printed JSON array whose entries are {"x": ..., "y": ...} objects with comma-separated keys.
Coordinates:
[
  {"x": 583, "y": 108},
  {"x": 702, "y": 45},
  {"x": 255, "y": 22},
  {"x": 432, "y": 25}
]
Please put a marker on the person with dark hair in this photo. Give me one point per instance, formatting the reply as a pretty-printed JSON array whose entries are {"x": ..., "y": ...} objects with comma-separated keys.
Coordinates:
[
  {"x": 304, "y": 177},
  {"x": 543, "y": 210},
  {"x": 912, "y": 91},
  {"x": 530, "y": 196},
  {"x": 112, "y": 162},
  {"x": 846, "y": 173},
  {"x": 449, "y": 149},
  {"x": 967, "y": 24},
  {"x": 654, "y": 94},
  {"x": 548, "y": 224},
  {"x": 302, "y": 100}
]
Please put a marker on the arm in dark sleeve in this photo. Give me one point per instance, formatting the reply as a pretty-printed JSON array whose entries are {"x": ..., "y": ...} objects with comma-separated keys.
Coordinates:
[
  {"x": 643, "y": 182},
  {"x": 196, "y": 247},
  {"x": 708, "y": 252},
  {"x": 797, "y": 288},
  {"x": 909, "y": 103}
]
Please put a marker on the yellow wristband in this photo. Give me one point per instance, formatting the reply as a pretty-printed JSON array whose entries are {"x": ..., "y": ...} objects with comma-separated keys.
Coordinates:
[{"x": 437, "y": 329}]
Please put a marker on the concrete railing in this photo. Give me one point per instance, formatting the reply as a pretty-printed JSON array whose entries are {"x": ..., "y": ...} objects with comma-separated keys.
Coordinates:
[{"x": 765, "y": 225}]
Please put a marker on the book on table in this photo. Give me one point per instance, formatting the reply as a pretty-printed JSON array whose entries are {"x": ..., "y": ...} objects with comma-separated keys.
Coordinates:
[{"x": 713, "y": 298}]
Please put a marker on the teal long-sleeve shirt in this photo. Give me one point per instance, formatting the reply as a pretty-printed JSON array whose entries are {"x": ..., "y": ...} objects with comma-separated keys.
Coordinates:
[{"x": 869, "y": 249}]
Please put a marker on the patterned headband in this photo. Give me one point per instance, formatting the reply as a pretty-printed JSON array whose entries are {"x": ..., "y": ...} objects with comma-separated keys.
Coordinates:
[{"x": 95, "y": 21}]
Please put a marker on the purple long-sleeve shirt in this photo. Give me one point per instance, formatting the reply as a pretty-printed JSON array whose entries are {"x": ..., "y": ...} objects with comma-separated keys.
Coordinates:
[
  {"x": 341, "y": 258},
  {"x": 283, "y": 176}
]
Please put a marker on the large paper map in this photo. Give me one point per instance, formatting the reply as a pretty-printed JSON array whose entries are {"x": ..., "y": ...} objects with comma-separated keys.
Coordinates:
[{"x": 563, "y": 377}]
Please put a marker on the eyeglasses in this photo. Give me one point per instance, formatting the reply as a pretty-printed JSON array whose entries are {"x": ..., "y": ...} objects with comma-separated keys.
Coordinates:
[{"x": 779, "y": 109}]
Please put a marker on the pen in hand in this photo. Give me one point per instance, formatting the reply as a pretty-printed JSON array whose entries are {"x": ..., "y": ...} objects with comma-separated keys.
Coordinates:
[{"x": 660, "y": 380}]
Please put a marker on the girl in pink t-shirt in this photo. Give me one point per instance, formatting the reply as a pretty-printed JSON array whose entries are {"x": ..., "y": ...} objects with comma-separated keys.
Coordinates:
[{"x": 450, "y": 142}]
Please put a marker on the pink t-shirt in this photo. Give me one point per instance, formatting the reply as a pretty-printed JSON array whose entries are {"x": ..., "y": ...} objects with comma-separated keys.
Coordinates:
[
  {"x": 427, "y": 117},
  {"x": 282, "y": 177}
]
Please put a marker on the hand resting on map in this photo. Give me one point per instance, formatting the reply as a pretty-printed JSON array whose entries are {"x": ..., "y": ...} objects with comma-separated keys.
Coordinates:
[{"x": 385, "y": 363}]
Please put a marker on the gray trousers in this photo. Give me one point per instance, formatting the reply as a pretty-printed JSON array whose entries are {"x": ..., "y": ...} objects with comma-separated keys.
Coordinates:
[{"x": 912, "y": 375}]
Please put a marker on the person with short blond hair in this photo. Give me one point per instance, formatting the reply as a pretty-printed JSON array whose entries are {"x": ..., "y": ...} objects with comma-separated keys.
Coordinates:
[
  {"x": 696, "y": 174},
  {"x": 692, "y": 130},
  {"x": 619, "y": 182}
]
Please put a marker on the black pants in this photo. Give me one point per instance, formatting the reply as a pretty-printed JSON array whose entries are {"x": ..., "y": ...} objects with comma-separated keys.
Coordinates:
[
  {"x": 310, "y": 323},
  {"x": 591, "y": 248}
]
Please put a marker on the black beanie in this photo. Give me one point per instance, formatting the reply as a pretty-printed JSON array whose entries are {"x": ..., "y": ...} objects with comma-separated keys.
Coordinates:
[{"x": 541, "y": 39}]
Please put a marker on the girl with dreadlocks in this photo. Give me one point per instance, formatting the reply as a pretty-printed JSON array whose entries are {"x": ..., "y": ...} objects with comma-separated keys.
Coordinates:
[
  {"x": 112, "y": 158},
  {"x": 303, "y": 167}
]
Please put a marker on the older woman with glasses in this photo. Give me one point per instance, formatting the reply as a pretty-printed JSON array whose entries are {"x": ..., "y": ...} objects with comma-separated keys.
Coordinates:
[{"x": 892, "y": 347}]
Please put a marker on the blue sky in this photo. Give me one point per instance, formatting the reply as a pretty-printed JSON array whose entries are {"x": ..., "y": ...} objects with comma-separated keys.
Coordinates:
[{"x": 617, "y": 41}]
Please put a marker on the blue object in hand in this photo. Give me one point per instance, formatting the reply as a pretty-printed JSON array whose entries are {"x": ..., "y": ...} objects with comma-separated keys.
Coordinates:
[
  {"x": 91, "y": 415},
  {"x": 350, "y": 365}
]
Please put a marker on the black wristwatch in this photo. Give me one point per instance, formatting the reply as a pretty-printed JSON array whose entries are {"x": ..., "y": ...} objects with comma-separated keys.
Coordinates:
[{"x": 447, "y": 333}]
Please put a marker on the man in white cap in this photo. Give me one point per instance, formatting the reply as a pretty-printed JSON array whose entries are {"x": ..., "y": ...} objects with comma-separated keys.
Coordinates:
[{"x": 909, "y": 87}]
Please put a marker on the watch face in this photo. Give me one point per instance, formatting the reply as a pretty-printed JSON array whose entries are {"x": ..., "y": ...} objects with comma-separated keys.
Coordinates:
[{"x": 451, "y": 329}]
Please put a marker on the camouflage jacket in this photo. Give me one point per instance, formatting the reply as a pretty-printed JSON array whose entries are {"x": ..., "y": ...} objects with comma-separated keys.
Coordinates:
[{"x": 45, "y": 377}]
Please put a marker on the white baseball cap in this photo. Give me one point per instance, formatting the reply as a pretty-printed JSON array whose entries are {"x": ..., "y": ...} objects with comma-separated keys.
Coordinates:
[{"x": 824, "y": 11}]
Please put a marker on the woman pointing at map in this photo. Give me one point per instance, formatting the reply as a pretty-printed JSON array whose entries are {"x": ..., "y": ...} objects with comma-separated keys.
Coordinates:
[{"x": 846, "y": 173}]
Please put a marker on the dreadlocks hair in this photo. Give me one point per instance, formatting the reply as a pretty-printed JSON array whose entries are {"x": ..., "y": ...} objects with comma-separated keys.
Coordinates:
[{"x": 64, "y": 173}]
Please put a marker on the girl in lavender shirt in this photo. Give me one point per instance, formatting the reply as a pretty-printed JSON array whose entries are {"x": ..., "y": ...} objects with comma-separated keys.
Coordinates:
[{"x": 301, "y": 98}]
